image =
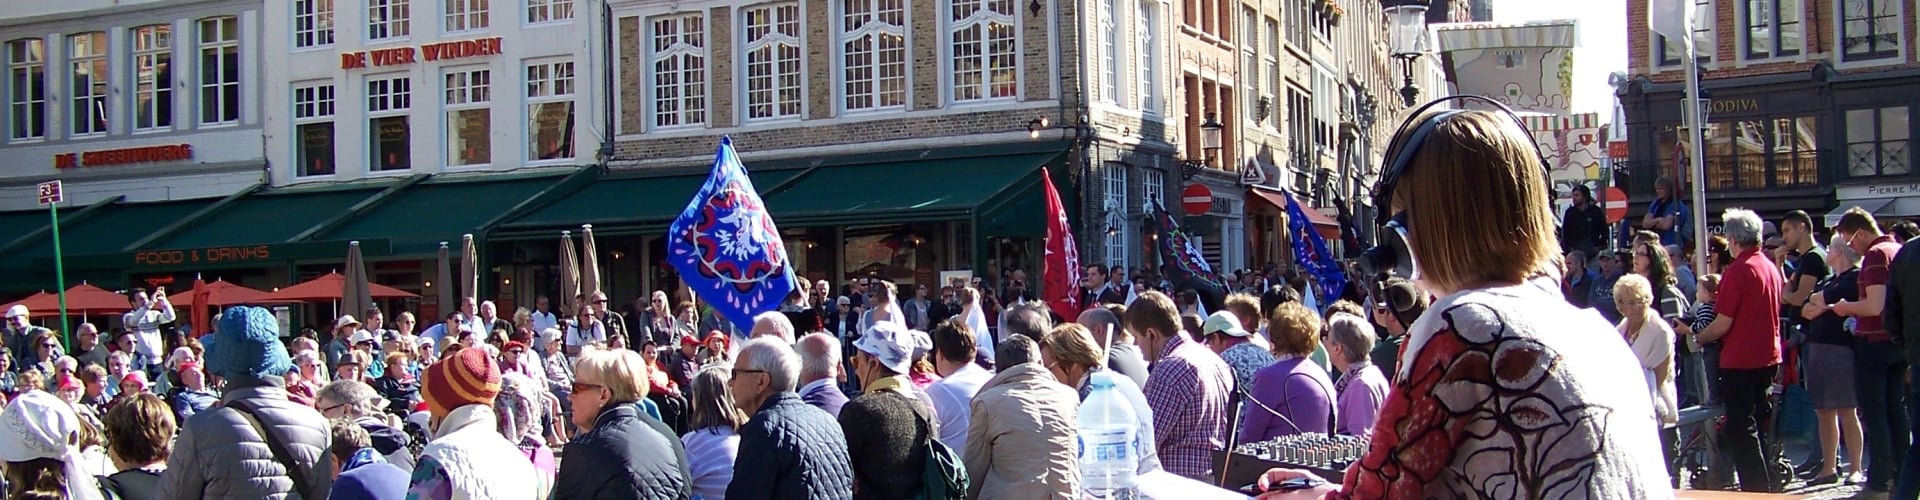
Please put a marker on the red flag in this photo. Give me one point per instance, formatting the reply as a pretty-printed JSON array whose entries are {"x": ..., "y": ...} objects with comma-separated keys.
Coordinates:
[
  {"x": 200, "y": 318},
  {"x": 1062, "y": 262}
]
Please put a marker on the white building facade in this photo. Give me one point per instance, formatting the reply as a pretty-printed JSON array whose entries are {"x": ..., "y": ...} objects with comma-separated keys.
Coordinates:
[
  {"x": 151, "y": 101},
  {"x": 390, "y": 88}
]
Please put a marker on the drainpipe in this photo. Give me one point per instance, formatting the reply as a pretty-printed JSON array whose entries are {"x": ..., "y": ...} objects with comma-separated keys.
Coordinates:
[{"x": 606, "y": 61}]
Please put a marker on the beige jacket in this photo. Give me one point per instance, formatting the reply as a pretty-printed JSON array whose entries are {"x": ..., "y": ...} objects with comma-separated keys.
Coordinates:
[{"x": 1021, "y": 438}]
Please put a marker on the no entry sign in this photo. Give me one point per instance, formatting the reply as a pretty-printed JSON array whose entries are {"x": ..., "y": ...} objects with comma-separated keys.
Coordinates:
[
  {"x": 1197, "y": 199},
  {"x": 1616, "y": 204}
]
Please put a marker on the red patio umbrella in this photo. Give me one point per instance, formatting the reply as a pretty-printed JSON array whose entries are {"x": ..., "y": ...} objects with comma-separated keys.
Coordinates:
[
  {"x": 37, "y": 297},
  {"x": 221, "y": 293},
  {"x": 82, "y": 299},
  {"x": 328, "y": 287}
]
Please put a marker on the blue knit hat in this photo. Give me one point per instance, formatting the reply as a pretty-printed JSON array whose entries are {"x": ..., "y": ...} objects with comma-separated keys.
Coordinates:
[{"x": 247, "y": 344}]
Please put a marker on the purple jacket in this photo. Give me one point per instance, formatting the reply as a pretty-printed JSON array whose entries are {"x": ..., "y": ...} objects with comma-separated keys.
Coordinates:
[
  {"x": 1299, "y": 390},
  {"x": 1363, "y": 390},
  {"x": 826, "y": 396}
]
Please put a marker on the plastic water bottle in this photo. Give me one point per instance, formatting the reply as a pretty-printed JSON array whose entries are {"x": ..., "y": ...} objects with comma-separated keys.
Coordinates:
[{"x": 1109, "y": 440}]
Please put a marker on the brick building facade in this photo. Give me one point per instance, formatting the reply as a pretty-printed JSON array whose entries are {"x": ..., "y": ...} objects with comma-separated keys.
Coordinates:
[{"x": 1808, "y": 106}]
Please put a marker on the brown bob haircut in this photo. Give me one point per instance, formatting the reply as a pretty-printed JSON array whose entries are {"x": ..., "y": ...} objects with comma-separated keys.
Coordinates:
[{"x": 1479, "y": 211}]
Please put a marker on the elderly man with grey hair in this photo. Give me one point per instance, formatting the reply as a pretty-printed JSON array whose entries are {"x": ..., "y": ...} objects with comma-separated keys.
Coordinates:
[
  {"x": 1362, "y": 389},
  {"x": 1122, "y": 355},
  {"x": 355, "y": 400},
  {"x": 788, "y": 448},
  {"x": 1022, "y": 434},
  {"x": 772, "y": 324},
  {"x": 1748, "y": 331},
  {"x": 820, "y": 372}
]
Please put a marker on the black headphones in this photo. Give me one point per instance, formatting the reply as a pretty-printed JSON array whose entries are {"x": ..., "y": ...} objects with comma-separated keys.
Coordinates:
[{"x": 1391, "y": 255}]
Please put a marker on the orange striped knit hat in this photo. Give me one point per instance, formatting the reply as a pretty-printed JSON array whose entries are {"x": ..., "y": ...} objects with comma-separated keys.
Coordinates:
[{"x": 467, "y": 378}]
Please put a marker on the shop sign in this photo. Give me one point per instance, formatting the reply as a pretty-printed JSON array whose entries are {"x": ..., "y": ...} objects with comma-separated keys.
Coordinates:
[
  {"x": 127, "y": 156},
  {"x": 241, "y": 256},
  {"x": 1734, "y": 105},
  {"x": 1892, "y": 190},
  {"x": 443, "y": 51},
  {"x": 1617, "y": 150}
]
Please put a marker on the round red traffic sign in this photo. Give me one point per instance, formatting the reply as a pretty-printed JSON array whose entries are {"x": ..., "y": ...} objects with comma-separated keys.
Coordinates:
[
  {"x": 1197, "y": 199},
  {"x": 1616, "y": 204}
]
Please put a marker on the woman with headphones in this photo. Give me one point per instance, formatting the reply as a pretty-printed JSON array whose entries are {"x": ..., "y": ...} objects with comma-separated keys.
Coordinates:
[{"x": 1503, "y": 390}]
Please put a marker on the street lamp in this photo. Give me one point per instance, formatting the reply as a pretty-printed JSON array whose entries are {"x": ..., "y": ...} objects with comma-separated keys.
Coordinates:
[
  {"x": 1407, "y": 34},
  {"x": 1209, "y": 143},
  {"x": 1210, "y": 137}
]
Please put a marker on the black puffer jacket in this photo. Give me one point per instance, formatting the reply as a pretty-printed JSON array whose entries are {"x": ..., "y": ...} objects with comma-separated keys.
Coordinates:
[
  {"x": 625, "y": 456},
  {"x": 791, "y": 450}
]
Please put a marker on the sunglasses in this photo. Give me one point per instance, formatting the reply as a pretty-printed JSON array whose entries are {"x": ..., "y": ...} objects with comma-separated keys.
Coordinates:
[{"x": 582, "y": 387}]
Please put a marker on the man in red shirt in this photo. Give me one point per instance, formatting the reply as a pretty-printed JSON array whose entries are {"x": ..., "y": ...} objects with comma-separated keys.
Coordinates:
[
  {"x": 1748, "y": 330},
  {"x": 1880, "y": 369}
]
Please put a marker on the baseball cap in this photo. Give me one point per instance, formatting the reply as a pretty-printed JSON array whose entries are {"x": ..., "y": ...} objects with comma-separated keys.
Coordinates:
[
  {"x": 17, "y": 311},
  {"x": 1223, "y": 322},
  {"x": 344, "y": 321},
  {"x": 893, "y": 345}
]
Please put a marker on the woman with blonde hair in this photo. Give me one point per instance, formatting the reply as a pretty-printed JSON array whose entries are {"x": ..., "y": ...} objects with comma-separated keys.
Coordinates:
[
  {"x": 1652, "y": 341},
  {"x": 1500, "y": 358}
]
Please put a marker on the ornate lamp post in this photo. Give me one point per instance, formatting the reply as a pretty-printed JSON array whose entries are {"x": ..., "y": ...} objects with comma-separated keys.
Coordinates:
[{"x": 1407, "y": 37}]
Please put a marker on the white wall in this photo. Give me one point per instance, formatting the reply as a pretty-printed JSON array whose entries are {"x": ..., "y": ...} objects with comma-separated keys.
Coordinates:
[
  {"x": 577, "y": 40},
  {"x": 226, "y": 157}
]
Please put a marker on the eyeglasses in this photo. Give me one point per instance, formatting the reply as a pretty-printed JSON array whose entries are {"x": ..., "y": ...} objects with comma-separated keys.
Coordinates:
[
  {"x": 581, "y": 387},
  {"x": 332, "y": 408},
  {"x": 737, "y": 371}
]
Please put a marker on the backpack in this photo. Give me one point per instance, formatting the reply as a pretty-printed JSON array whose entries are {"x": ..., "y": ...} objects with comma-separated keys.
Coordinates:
[{"x": 945, "y": 475}]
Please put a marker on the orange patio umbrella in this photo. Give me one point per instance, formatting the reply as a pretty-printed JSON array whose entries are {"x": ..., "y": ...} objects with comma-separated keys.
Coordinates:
[
  {"x": 329, "y": 287},
  {"x": 221, "y": 293},
  {"x": 82, "y": 299},
  {"x": 37, "y": 297}
]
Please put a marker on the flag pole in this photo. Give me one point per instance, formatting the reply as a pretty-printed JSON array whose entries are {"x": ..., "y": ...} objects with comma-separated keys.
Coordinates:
[{"x": 1696, "y": 157}]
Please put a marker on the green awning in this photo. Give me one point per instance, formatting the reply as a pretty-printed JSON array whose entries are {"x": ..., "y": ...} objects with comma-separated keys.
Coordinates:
[
  {"x": 625, "y": 204},
  {"x": 267, "y": 217},
  {"x": 113, "y": 228},
  {"x": 903, "y": 191},
  {"x": 423, "y": 215}
]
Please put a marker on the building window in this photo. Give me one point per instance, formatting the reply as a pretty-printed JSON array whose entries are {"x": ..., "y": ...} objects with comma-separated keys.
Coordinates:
[
  {"x": 873, "y": 41},
  {"x": 1109, "y": 53},
  {"x": 313, "y": 128},
  {"x": 679, "y": 60},
  {"x": 984, "y": 49},
  {"x": 1117, "y": 240},
  {"x": 1298, "y": 24},
  {"x": 550, "y": 110},
  {"x": 1773, "y": 28},
  {"x": 541, "y": 11},
  {"x": 389, "y": 99},
  {"x": 773, "y": 55},
  {"x": 1702, "y": 37},
  {"x": 153, "y": 77},
  {"x": 388, "y": 19},
  {"x": 469, "y": 121},
  {"x": 1249, "y": 41},
  {"x": 1147, "y": 53},
  {"x": 87, "y": 52},
  {"x": 27, "y": 90},
  {"x": 219, "y": 70},
  {"x": 1154, "y": 187},
  {"x": 1877, "y": 142},
  {"x": 1869, "y": 29},
  {"x": 312, "y": 23},
  {"x": 465, "y": 15}
]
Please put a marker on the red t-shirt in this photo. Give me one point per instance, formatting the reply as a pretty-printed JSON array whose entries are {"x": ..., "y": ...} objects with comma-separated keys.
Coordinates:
[
  {"x": 1750, "y": 297},
  {"x": 1873, "y": 271}
]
